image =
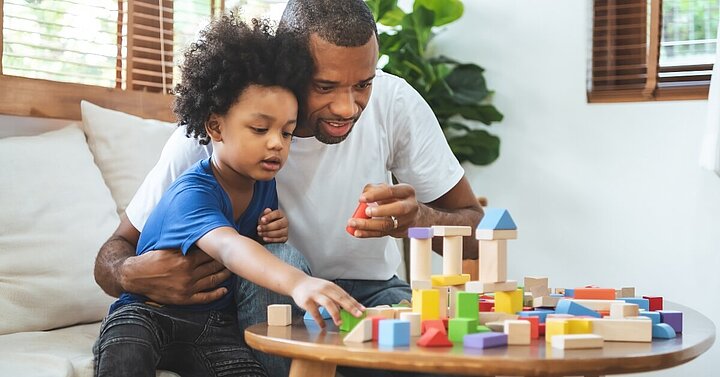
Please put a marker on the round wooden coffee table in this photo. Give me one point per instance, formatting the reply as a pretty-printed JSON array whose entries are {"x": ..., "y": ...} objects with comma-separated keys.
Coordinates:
[{"x": 318, "y": 352}]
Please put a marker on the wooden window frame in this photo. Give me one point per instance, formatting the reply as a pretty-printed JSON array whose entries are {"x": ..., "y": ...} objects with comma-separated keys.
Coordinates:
[{"x": 650, "y": 91}]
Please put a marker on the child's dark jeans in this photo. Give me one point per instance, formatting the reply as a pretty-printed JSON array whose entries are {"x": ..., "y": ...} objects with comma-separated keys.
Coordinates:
[{"x": 137, "y": 339}]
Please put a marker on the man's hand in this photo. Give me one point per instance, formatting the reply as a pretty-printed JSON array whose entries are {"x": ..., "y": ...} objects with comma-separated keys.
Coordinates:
[
  {"x": 168, "y": 277},
  {"x": 396, "y": 203},
  {"x": 273, "y": 226},
  {"x": 311, "y": 293}
]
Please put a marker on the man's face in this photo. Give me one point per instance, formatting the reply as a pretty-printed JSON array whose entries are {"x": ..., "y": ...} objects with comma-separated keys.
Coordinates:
[{"x": 340, "y": 88}]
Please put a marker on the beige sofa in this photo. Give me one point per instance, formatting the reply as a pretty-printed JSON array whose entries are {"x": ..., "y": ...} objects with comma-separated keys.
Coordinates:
[{"x": 61, "y": 194}]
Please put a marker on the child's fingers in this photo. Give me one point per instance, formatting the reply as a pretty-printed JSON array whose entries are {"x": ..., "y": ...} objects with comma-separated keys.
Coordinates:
[
  {"x": 315, "y": 313},
  {"x": 274, "y": 225},
  {"x": 347, "y": 302},
  {"x": 331, "y": 307},
  {"x": 263, "y": 219}
]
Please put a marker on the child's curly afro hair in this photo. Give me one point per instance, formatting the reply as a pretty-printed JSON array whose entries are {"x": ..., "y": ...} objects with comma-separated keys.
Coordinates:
[{"x": 229, "y": 56}]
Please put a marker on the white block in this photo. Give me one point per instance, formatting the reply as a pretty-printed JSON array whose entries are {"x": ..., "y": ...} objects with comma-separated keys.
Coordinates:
[
  {"x": 596, "y": 304},
  {"x": 478, "y": 287},
  {"x": 384, "y": 311},
  {"x": 545, "y": 302},
  {"x": 622, "y": 310},
  {"x": 415, "y": 322},
  {"x": 420, "y": 284},
  {"x": 537, "y": 286},
  {"x": 361, "y": 333},
  {"x": 493, "y": 261},
  {"x": 489, "y": 234},
  {"x": 577, "y": 341},
  {"x": 452, "y": 255},
  {"x": 447, "y": 230},
  {"x": 279, "y": 315},
  {"x": 624, "y": 330},
  {"x": 420, "y": 259}
]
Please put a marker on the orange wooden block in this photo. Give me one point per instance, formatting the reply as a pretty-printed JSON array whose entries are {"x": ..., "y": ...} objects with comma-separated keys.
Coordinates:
[{"x": 594, "y": 293}]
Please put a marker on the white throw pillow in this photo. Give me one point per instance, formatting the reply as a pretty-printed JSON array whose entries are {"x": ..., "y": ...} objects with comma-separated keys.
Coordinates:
[
  {"x": 55, "y": 213},
  {"x": 125, "y": 147}
]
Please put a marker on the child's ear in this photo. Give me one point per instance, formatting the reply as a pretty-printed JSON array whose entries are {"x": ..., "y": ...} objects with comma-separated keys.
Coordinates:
[{"x": 213, "y": 127}]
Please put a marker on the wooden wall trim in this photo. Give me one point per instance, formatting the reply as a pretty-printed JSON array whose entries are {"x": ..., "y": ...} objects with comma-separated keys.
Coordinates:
[
  {"x": 51, "y": 99},
  {"x": 2, "y": 17}
]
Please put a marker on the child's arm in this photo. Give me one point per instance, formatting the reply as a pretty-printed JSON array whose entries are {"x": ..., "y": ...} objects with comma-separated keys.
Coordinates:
[{"x": 251, "y": 261}]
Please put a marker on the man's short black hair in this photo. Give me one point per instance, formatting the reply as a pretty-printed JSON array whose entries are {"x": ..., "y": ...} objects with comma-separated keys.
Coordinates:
[
  {"x": 345, "y": 23},
  {"x": 229, "y": 56}
]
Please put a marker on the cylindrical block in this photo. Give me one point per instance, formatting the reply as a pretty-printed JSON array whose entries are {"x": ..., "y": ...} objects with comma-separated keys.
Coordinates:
[
  {"x": 420, "y": 262},
  {"x": 452, "y": 255}
]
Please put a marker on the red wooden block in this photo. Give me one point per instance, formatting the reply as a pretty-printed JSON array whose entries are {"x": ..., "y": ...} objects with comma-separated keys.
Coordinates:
[
  {"x": 445, "y": 323},
  {"x": 486, "y": 297},
  {"x": 594, "y": 293},
  {"x": 376, "y": 326},
  {"x": 656, "y": 302},
  {"x": 433, "y": 323},
  {"x": 603, "y": 313},
  {"x": 359, "y": 214},
  {"x": 434, "y": 338},
  {"x": 486, "y": 306},
  {"x": 528, "y": 308},
  {"x": 534, "y": 325},
  {"x": 541, "y": 329}
]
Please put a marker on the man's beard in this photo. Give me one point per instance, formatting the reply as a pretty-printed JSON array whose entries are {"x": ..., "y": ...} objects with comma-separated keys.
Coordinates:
[{"x": 329, "y": 139}]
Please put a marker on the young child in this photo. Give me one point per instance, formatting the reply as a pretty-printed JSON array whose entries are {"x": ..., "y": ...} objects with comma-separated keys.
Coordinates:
[{"x": 239, "y": 92}]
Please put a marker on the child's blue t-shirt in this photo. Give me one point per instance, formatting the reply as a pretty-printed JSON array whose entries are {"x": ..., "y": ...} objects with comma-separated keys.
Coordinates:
[{"x": 192, "y": 206}]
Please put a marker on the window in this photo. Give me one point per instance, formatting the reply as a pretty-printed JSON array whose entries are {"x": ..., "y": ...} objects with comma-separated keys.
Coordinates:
[{"x": 645, "y": 50}]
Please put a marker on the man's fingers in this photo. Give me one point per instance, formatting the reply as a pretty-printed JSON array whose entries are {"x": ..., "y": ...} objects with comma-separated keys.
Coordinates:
[
  {"x": 397, "y": 208},
  {"x": 211, "y": 281},
  {"x": 206, "y": 297},
  {"x": 383, "y": 192}
]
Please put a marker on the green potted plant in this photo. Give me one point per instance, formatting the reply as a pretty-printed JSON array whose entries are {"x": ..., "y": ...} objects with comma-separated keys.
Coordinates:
[{"x": 455, "y": 91}]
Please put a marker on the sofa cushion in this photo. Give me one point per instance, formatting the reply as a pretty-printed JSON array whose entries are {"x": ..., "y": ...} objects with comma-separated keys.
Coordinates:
[
  {"x": 125, "y": 148},
  {"x": 55, "y": 213}
]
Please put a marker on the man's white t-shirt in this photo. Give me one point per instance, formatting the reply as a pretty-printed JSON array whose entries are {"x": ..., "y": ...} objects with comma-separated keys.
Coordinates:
[{"x": 320, "y": 184}]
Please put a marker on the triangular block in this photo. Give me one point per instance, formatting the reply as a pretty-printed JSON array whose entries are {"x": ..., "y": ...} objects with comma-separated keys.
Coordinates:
[
  {"x": 361, "y": 333},
  {"x": 497, "y": 219},
  {"x": 434, "y": 338}
]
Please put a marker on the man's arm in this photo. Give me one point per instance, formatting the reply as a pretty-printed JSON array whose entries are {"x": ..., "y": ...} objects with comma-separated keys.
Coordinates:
[
  {"x": 459, "y": 206},
  {"x": 164, "y": 276}
]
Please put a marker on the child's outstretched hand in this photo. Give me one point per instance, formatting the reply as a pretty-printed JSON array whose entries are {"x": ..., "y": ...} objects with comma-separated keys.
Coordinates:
[
  {"x": 273, "y": 226},
  {"x": 311, "y": 293}
]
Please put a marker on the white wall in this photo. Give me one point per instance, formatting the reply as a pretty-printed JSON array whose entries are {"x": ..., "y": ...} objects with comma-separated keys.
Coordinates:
[{"x": 606, "y": 194}]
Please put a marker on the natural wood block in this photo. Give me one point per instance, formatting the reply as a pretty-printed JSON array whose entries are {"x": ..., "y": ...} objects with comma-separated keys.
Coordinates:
[
  {"x": 363, "y": 332},
  {"x": 518, "y": 332},
  {"x": 545, "y": 302},
  {"x": 493, "y": 261},
  {"x": 577, "y": 341},
  {"x": 634, "y": 329},
  {"x": 490, "y": 234},
  {"x": 621, "y": 310},
  {"x": 452, "y": 255},
  {"x": 420, "y": 259},
  {"x": 537, "y": 286},
  {"x": 279, "y": 315},
  {"x": 479, "y": 287},
  {"x": 451, "y": 230},
  {"x": 415, "y": 320},
  {"x": 485, "y": 317}
]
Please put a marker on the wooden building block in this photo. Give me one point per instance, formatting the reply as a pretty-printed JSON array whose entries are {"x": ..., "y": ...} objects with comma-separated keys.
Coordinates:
[
  {"x": 349, "y": 321},
  {"x": 573, "y": 308},
  {"x": 485, "y": 317},
  {"x": 536, "y": 286},
  {"x": 375, "y": 325},
  {"x": 452, "y": 298},
  {"x": 443, "y": 302},
  {"x": 394, "y": 333},
  {"x": 486, "y": 305},
  {"x": 497, "y": 218},
  {"x": 663, "y": 331},
  {"x": 479, "y": 287},
  {"x": 485, "y": 340},
  {"x": 655, "y": 302},
  {"x": 622, "y": 309},
  {"x": 415, "y": 322},
  {"x": 624, "y": 330},
  {"x": 673, "y": 318},
  {"x": 597, "y": 304},
  {"x": 361, "y": 333},
  {"x": 580, "y": 325},
  {"x": 518, "y": 332},
  {"x": 509, "y": 302},
  {"x": 427, "y": 303},
  {"x": 493, "y": 261},
  {"x": 577, "y": 341},
  {"x": 385, "y": 311},
  {"x": 323, "y": 313},
  {"x": 434, "y": 338},
  {"x": 534, "y": 325},
  {"x": 420, "y": 284},
  {"x": 452, "y": 255},
  {"x": 401, "y": 309},
  {"x": 449, "y": 280},
  {"x": 626, "y": 292},
  {"x": 451, "y": 231},
  {"x": 420, "y": 259},
  {"x": 490, "y": 234},
  {"x": 594, "y": 293},
  {"x": 432, "y": 323},
  {"x": 643, "y": 303},
  {"x": 556, "y": 326},
  {"x": 540, "y": 313},
  {"x": 466, "y": 305},
  {"x": 279, "y": 315},
  {"x": 545, "y": 302},
  {"x": 655, "y": 317},
  {"x": 459, "y": 327},
  {"x": 495, "y": 326}
]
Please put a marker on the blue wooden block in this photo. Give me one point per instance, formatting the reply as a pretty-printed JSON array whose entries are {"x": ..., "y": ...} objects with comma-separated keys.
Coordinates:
[
  {"x": 642, "y": 303},
  {"x": 323, "y": 312},
  {"x": 558, "y": 295},
  {"x": 485, "y": 340},
  {"x": 394, "y": 333},
  {"x": 497, "y": 219},
  {"x": 663, "y": 331},
  {"x": 572, "y": 307},
  {"x": 655, "y": 316},
  {"x": 542, "y": 313},
  {"x": 569, "y": 292}
]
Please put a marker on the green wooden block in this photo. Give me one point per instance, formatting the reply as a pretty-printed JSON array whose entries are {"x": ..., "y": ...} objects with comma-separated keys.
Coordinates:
[
  {"x": 466, "y": 305},
  {"x": 459, "y": 327},
  {"x": 483, "y": 328},
  {"x": 348, "y": 320}
]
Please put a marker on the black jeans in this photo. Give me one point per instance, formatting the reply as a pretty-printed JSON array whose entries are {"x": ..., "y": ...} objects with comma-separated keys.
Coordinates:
[{"x": 137, "y": 339}]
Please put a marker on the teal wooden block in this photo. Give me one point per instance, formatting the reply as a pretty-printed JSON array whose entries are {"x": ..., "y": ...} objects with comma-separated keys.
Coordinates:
[
  {"x": 655, "y": 316},
  {"x": 497, "y": 219},
  {"x": 642, "y": 303},
  {"x": 663, "y": 331},
  {"x": 571, "y": 307},
  {"x": 394, "y": 333}
]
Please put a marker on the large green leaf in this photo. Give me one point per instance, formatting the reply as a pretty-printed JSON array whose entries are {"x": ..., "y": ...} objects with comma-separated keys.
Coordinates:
[
  {"x": 478, "y": 147},
  {"x": 446, "y": 11},
  {"x": 380, "y": 7},
  {"x": 468, "y": 84},
  {"x": 393, "y": 17}
]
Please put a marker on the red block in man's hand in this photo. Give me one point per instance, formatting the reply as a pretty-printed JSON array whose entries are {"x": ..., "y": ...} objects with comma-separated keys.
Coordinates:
[{"x": 359, "y": 214}]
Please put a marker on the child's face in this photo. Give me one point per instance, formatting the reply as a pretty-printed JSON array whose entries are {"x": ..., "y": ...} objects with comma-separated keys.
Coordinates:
[{"x": 253, "y": 138}]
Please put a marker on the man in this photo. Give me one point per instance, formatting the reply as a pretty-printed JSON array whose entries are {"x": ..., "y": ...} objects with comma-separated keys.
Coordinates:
[{"x": 345, "y": 150}]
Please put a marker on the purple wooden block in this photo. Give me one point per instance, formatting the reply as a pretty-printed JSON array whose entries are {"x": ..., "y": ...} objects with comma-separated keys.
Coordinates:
[
  {"x": 485, "y": 340},
  {"x": 673, "y": 318},
  {"x": 420, "y": 233}
]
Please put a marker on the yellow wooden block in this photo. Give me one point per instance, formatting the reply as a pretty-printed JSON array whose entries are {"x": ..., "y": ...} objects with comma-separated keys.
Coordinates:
[
  {"x": 509, "y": 302},
  {"x": 427, "y": 303},
  {"x": 556, "y": 326},
  {"x": 449, "y": 280},
  {"x": 580, "y": 325}
]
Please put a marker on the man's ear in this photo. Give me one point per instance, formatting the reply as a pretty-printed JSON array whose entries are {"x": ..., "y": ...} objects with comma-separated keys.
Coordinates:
[{"x": 213, "y": 127}]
